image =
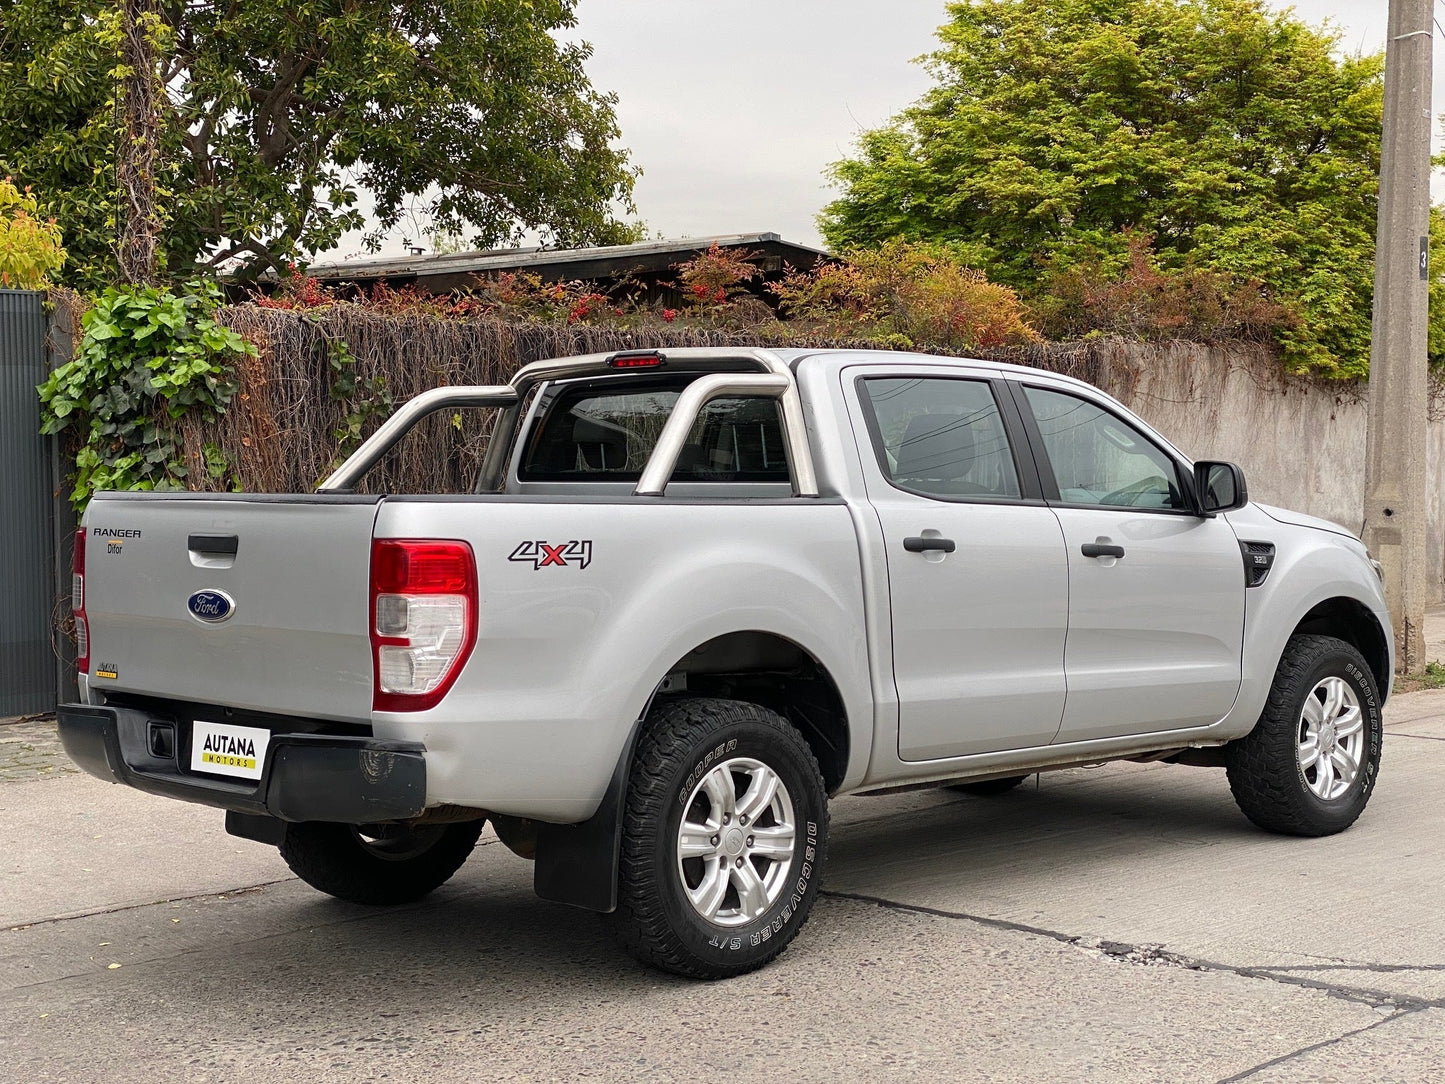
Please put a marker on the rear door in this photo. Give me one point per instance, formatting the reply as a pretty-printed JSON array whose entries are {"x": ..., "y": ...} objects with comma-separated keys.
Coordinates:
[
  {"x": 1156, "y": 592},
  {"x": 249, "y": 602},
  {"x": 978, "y": 582}
]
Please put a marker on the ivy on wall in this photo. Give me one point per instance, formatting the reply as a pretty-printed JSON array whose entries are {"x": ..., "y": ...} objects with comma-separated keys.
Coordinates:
[{"x": 148, "y": 358}]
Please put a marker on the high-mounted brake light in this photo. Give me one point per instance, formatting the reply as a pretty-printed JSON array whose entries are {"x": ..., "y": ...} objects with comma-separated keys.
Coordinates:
[
  {"x": 637, "y": 359},
  {"x": 77, "y": 604},
  {"x": 423, "y": 620}
]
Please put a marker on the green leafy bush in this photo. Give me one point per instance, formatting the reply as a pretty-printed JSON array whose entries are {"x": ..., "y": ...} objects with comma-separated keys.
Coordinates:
[
  {"x": 1243, "y": 139},
  {"x": 148, "y": 359},
  {"x": 30, "y": 250}
]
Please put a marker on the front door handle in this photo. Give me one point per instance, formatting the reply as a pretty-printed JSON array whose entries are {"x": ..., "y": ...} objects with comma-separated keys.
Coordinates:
[
  {"x": 1099, "y": 549},
  {"x": 920, "y": 545}
]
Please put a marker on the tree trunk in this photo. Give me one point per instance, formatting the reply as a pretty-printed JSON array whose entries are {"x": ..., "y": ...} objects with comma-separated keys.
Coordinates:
[{"x": 140, "y": 223}]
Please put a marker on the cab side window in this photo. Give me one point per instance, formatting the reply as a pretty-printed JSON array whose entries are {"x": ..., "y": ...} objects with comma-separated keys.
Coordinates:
[
  {"x": 1098, "y": 459},
  {"x": 941, "y": 437}
]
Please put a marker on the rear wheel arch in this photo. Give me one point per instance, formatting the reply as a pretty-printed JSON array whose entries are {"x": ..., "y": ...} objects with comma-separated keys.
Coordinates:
[
  {"x": 777, "y": 673},
  {"x": 578, "y": 864}
]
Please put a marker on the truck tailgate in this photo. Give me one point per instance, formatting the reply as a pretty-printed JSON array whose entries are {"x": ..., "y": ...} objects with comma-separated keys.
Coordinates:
[{"x": 295, "y": 640}]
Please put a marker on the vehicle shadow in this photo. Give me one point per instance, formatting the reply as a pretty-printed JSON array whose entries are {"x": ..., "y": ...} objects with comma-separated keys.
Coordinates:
[
  {"x": 485, "y": 939},
  {"x": 1057, "y": 829}
]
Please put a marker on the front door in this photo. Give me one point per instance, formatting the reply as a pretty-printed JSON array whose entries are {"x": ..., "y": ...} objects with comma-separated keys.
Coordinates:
[
  {"x": 1156, "y": 593},
  {"x": 978, "y": 580}
]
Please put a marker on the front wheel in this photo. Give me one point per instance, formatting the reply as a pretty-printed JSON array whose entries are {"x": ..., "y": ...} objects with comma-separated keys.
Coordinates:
[
  {"x": 377, "y": 863},
  {"x": 1308, "y": 767},
  {"x": 723, "y": 839}
]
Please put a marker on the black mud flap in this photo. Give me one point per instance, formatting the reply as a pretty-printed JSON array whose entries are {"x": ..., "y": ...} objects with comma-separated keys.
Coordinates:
[
  {"x": 256, "y": 826},
  {"x": 577, "y": 863}
]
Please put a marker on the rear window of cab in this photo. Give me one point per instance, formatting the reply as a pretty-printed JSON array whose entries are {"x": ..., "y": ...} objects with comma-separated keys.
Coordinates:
[{"x": 606, "y": 433}]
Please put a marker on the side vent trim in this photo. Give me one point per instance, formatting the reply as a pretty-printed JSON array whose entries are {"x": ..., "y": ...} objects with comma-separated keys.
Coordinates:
[{"x": 1258, "y": 560}]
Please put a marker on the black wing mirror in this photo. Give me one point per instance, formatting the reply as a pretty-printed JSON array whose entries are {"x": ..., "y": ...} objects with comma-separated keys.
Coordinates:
[{"x": 1220, "y": 487}]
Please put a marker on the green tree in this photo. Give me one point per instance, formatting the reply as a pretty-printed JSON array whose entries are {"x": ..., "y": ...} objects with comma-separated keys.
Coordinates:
[
  {"x": 279, "y": 114},
  {"x": 30, "y": 249},
  {"x": 1235, "y": 135}
]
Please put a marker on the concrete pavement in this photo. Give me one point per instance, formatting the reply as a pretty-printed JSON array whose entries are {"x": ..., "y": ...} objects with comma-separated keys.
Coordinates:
[{"x": 1124, "y": 923}]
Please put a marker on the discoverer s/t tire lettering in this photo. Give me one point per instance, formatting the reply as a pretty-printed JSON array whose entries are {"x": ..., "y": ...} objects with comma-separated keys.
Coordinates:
[
  {"x": 1308, "y": 767},
  {"x": 724, "y": 838}
]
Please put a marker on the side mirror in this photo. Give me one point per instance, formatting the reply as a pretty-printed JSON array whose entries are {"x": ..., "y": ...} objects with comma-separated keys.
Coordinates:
[{"x": 1220, "y": 487}]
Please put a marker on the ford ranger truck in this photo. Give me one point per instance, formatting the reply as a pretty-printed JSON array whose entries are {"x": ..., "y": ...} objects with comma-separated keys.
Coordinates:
[{"x": 695, "y": 594}]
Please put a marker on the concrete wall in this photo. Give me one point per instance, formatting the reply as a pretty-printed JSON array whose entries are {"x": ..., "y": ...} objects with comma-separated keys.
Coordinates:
[{"x": 1300, "y": 441}]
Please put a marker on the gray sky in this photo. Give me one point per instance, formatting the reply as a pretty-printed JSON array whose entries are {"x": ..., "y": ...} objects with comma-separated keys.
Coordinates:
[{"x": 734, "y": 110}]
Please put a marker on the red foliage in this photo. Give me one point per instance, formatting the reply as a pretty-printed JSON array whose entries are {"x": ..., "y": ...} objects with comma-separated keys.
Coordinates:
[
  {"x": 413, "y": 299},
  {"x": 296, "y": 291},
  {"x": 1146, "y": 301},
  {"x": 586, "y": 306},
  {"x": 714, "y": 278}
]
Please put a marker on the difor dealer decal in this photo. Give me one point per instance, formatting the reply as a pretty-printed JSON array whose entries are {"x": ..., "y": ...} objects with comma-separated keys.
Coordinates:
[{"x": 539, "y": 554}]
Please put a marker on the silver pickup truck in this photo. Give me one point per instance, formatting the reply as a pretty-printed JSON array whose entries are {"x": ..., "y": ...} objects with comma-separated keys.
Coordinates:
[{"x": 694, "y": 594}]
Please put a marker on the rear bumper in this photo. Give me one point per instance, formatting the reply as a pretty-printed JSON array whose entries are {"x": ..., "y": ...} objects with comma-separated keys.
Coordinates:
[{"x": 306, "y": 777}]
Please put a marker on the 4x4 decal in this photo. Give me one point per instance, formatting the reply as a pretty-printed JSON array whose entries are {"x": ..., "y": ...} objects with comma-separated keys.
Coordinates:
[{"x": 541, "y": 554}]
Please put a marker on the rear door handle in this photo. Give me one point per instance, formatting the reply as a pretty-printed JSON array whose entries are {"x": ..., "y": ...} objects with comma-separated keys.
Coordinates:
[
  {"x": 1099, "y": 549},
  {"x": 920, "y": 545}
]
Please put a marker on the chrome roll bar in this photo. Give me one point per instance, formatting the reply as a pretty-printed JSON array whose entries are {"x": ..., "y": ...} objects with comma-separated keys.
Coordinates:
[
  {"x": 774, "y": 379},
  {"x": 344, "y": 477},
  {"x": 663, "y": 461}
]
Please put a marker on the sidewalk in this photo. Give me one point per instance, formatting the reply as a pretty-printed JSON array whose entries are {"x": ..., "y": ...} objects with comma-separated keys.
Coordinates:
[
  {"x": 31, "y": 750},
  {"x": 1435, "y": 633}
]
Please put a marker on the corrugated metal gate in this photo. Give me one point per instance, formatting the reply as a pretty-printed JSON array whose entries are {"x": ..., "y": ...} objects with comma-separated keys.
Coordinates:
[{"x": 27, "y": 583}]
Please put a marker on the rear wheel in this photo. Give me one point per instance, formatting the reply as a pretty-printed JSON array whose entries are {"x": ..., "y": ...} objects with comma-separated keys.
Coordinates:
[
  {"x": 988, "y": 787},
  {"x": 1309, "y": 765},
  {"x": 723, "y": 839},
  {"x": 377, "y": 863}
]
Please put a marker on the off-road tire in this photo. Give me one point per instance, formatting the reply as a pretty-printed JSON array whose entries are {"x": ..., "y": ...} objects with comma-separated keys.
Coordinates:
[
  {"x": 338, "y": 859},
  {"x": 987, "y": 788},
  {"x": 1264, "y": 768},
  {"x": 682, "y": 741}
]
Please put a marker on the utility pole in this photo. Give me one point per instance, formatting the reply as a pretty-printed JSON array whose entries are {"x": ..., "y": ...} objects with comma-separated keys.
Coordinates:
[{"x": 1396, "y": 508}]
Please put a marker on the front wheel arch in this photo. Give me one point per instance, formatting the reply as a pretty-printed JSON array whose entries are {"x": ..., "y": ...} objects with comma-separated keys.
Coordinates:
[{"x": 1351, "y": 621}]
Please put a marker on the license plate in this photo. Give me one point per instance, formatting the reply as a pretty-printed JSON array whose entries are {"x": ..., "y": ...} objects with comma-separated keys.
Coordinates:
[{"x": 222, "y": 749}]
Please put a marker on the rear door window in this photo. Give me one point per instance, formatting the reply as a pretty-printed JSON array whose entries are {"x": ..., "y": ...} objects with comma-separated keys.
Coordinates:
[
  {"x": 607, "y": 434},
  {"x": 941, "y": 437}
]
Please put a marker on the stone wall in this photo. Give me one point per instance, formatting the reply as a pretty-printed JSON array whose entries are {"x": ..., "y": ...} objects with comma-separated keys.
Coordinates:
[{"x": 1300, "y": 441}]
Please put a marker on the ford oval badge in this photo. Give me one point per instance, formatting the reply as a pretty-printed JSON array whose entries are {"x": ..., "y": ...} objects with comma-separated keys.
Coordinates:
[{"x": 211, "y": 606}]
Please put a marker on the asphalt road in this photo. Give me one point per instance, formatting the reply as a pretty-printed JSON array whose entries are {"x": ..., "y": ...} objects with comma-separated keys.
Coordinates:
[{"x": 1119, "y": 924}]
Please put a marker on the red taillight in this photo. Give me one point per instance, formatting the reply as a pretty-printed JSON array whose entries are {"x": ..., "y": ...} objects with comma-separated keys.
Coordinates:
[
  {"x": 77, "y": 604},
  {"x": 641, "y": 359},
  {"x": 423, "y": 620}
]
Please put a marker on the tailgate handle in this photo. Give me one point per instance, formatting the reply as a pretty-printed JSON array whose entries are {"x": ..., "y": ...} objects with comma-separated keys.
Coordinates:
[{"x": 215, "y": 545}]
